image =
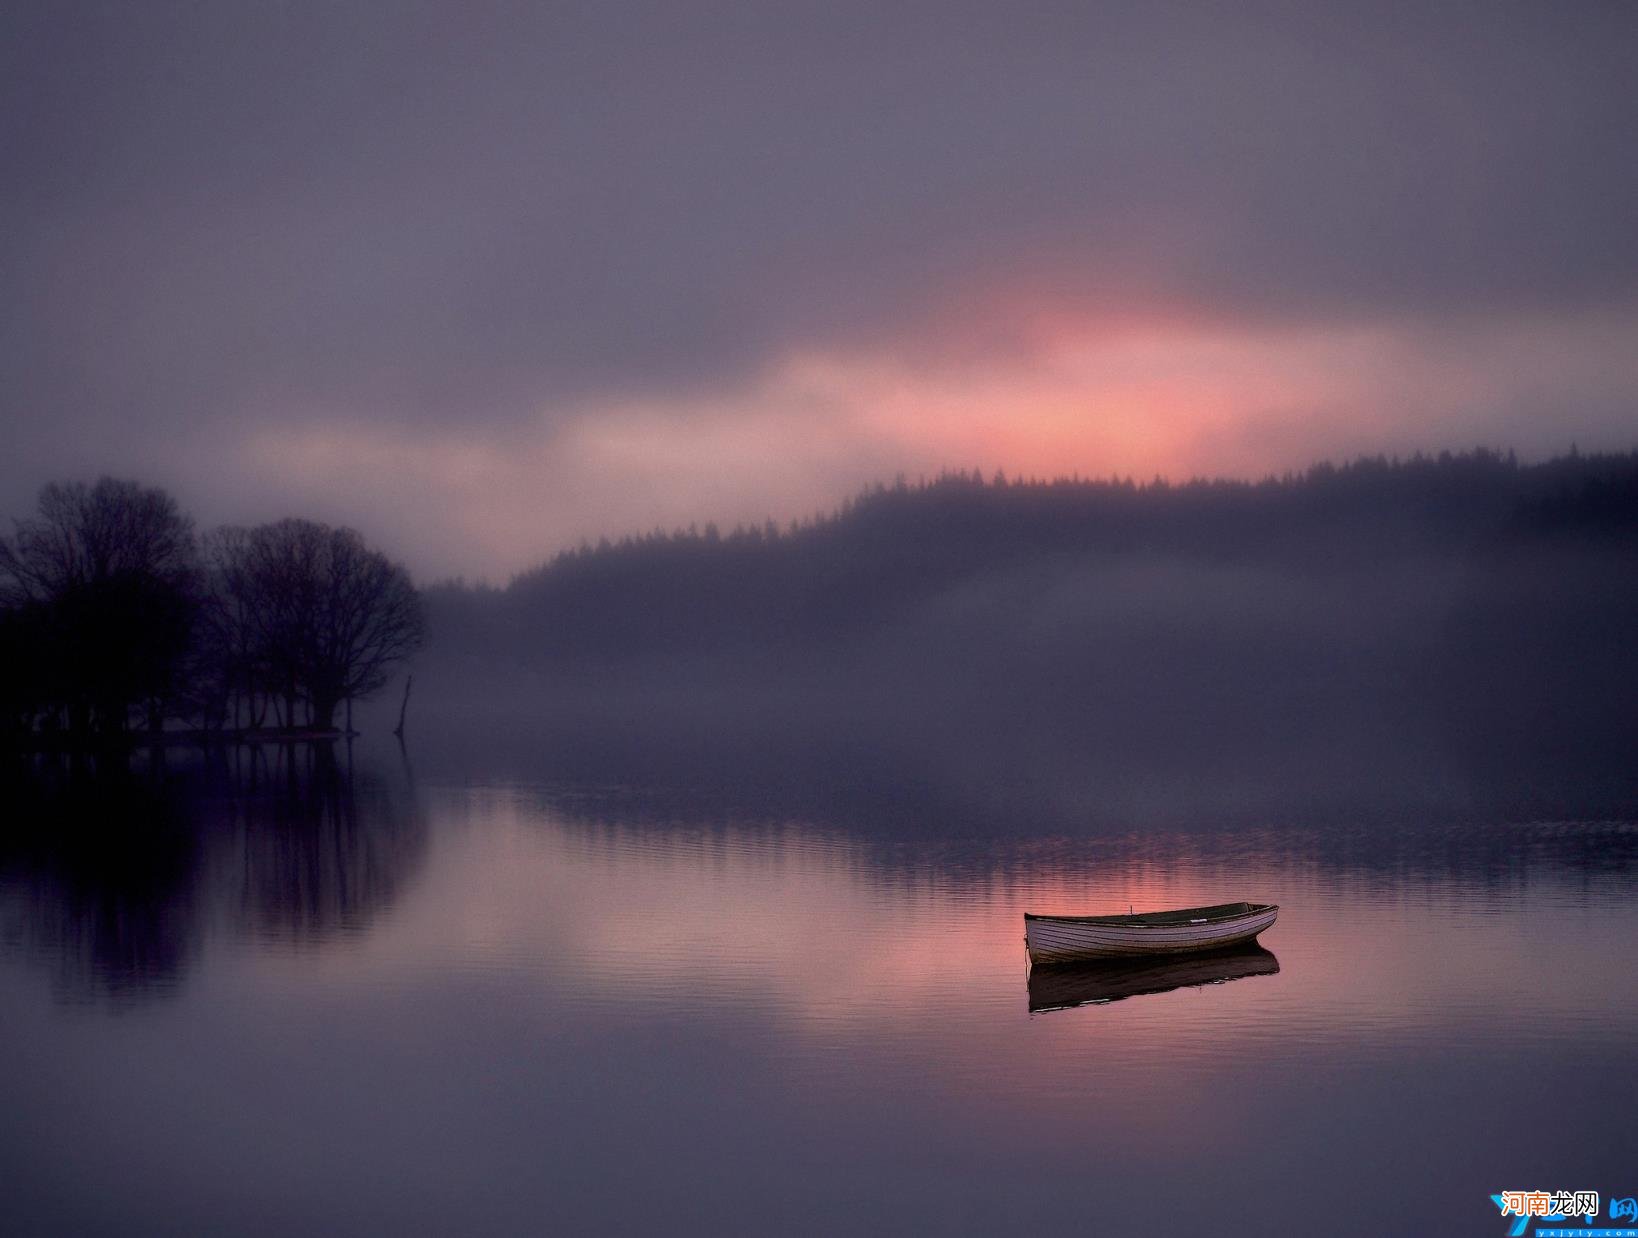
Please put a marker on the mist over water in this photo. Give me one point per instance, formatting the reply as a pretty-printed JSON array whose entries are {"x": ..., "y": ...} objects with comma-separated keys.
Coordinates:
[{"x": 1449, "y": 635}]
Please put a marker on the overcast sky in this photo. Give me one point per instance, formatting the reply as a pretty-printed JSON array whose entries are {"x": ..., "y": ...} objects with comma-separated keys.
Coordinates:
[{"x": 484, "y": 279}]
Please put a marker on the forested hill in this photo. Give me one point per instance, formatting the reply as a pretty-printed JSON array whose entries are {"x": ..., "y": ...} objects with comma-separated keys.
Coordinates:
[
  {"x": 1453, "y": 631},
  {"x": 898, "y": 546}
]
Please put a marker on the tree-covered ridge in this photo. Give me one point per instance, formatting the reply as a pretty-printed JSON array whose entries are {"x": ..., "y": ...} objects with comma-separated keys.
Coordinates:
[
  {"x": 1460, "y": 626},
  {"x": 896, "y": 543},
  {"x": 1441, "y": 498}
]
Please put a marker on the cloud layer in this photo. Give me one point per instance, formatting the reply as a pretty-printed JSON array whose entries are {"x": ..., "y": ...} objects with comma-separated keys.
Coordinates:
[{"x": 484, "y": 279}]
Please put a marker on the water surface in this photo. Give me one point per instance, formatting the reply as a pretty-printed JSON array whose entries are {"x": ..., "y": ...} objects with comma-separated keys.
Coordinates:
[{"x": 285, "y": 998}]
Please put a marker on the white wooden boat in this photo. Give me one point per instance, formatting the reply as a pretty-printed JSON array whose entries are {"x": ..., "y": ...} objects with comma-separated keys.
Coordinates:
[
  {"x": 1071, "y": 939},
  {"x": 1067, "y": 985}
]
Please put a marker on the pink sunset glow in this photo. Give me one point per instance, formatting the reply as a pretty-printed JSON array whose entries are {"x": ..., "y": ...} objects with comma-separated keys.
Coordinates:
[
  {"x": 591, "y": 283},
  {"x": 1066, "y": 396}
]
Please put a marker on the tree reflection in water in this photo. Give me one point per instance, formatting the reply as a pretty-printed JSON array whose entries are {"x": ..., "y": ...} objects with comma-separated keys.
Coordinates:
[
  {"x": 115, "y": 871},
  {"x": 317, "y": 847},
  {"x": 98, "y": 867}
]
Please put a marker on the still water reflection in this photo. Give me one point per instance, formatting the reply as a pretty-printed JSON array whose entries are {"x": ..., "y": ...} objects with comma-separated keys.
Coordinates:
[
  {"x": 301, "y": 996},
  {"x": 1088, "y": 984}
]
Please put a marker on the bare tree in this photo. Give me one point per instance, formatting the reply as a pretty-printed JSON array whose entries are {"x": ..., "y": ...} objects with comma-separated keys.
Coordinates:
[
  {"x": 85, "y": 535},
  {"x": 111, "y": 574},
  {"x": 231, "y": 678},
  {"x": 312, "y": 614}
]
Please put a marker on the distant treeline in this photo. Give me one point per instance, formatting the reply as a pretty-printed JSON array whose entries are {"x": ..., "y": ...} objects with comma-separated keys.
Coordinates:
[
  {"x": 1454, "y": 622},
  {"x": 893, "y": 546},
  {"x": 115, "y": 616}
]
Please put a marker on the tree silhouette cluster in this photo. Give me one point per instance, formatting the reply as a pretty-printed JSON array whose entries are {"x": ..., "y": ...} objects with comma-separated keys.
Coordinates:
[
  {"x": 114, "y": 615},
  {"x": 304, "y": 614}
]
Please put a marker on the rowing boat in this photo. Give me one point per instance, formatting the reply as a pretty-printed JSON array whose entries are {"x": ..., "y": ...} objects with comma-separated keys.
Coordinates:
[
  {"x": 1069, "y": 939},
  {"x": 1112, "y": 980}
]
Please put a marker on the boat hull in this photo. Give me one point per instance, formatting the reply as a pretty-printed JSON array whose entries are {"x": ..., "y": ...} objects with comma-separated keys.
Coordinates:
[{"x": 1073, "y": 939}]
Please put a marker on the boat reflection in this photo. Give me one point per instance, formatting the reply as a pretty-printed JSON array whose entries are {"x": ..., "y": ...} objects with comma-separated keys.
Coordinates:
[{"x": 1065, "y": 986}]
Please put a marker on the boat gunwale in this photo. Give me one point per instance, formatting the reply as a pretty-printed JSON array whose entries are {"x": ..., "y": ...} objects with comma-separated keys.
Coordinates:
[{"x": 1182, "y": 917}]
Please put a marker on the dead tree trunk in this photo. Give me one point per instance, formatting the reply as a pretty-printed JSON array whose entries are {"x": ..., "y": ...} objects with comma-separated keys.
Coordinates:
[{"x": 403, "y": 706}]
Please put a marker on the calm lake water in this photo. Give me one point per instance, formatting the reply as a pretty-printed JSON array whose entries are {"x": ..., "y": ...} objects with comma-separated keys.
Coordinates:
[{"x": 280, "y": 1001}]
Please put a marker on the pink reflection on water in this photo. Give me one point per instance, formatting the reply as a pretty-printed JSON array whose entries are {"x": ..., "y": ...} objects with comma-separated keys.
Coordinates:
[{"x": 921, "y": 967}]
